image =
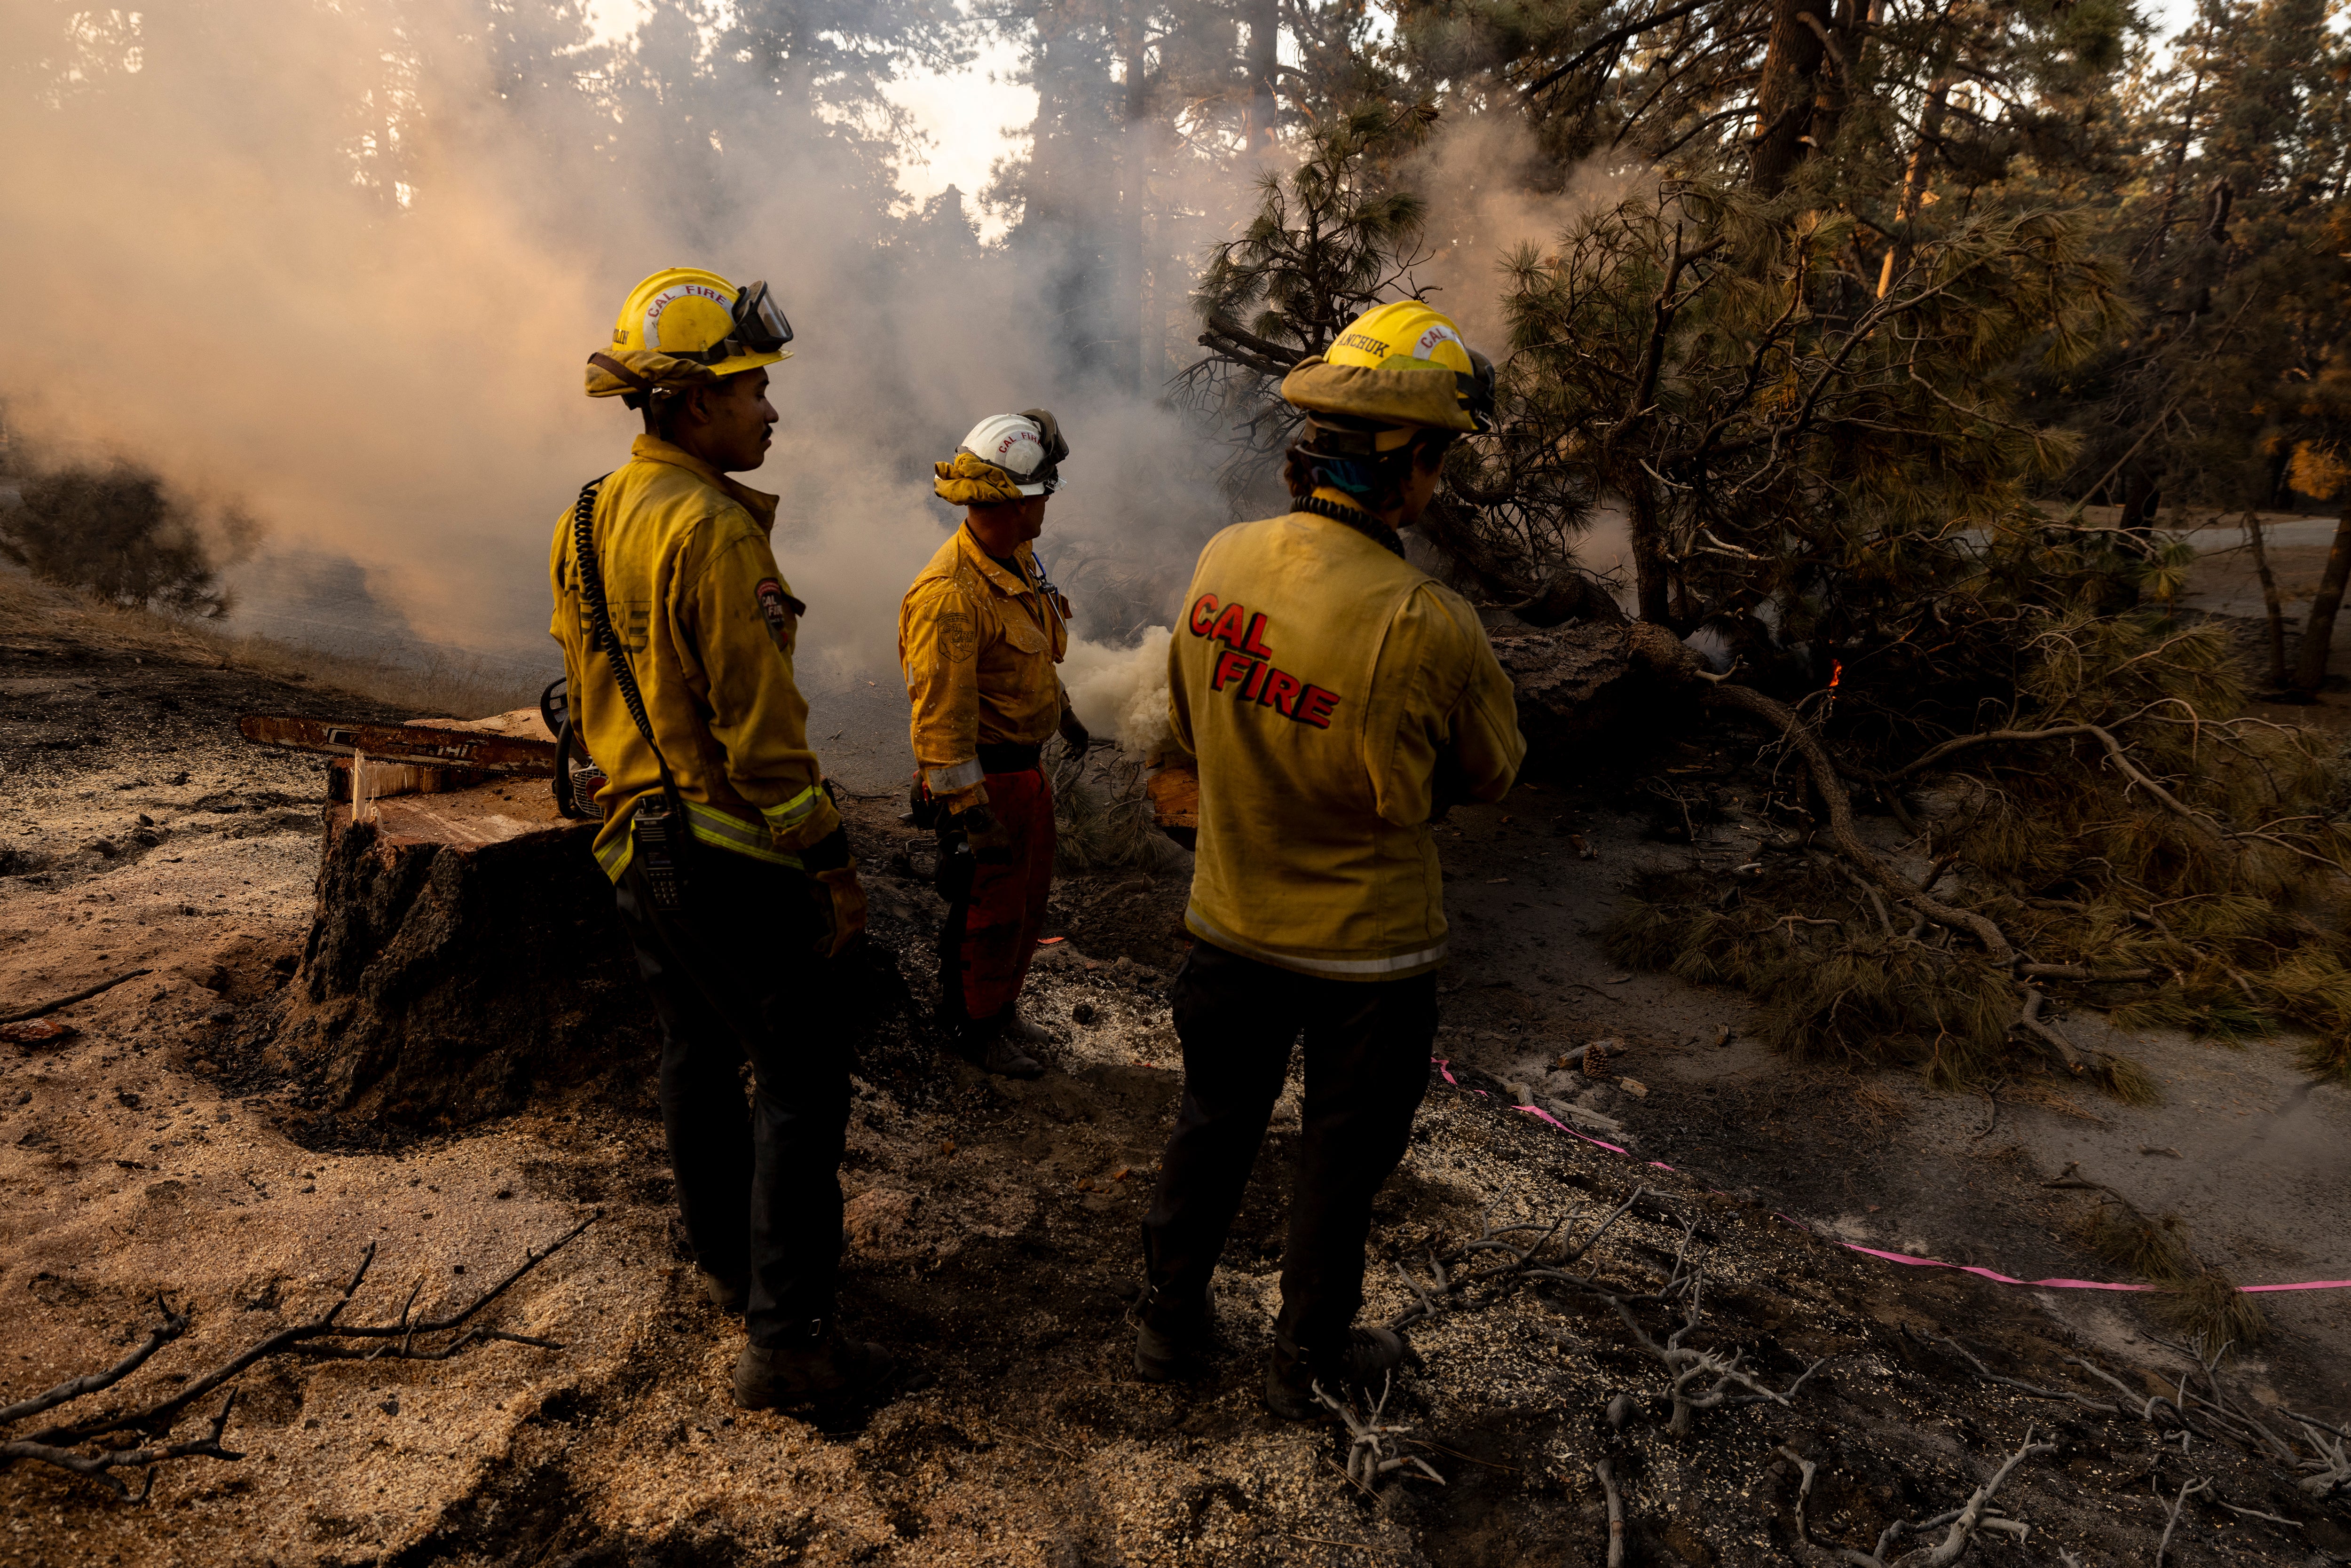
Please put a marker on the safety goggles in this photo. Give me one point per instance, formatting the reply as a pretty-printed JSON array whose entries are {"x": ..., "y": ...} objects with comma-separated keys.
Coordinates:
[
  {"x": 758, "y": 328},
  {"x": 1477, "y": 390}
]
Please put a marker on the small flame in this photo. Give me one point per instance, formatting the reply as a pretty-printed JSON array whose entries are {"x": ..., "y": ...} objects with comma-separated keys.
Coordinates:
[{"x": 1836, "y": 674}]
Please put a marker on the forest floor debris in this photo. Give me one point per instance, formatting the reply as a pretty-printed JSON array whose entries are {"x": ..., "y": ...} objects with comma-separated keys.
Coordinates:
[{"x": 992, "y": 1229}]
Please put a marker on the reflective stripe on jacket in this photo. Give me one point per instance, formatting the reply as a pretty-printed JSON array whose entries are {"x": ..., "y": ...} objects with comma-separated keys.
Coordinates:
[
  {"x": 708, "y": 625},
  {"x": 978, "y": 645},
  {"x": 1326, "y": 687}
]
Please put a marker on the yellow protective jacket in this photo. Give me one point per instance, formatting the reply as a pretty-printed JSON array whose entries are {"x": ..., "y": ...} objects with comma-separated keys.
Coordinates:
[
  {"x": 708, "y": 624},
  {"x": 1333, "y": 692},
  {"x": 978, "y": 644}
]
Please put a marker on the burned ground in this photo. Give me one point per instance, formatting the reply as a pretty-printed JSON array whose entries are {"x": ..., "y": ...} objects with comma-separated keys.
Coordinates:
[{"x": 992, "y": 1240}]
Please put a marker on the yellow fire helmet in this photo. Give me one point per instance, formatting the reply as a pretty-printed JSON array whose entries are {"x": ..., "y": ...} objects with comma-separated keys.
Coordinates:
[
  {"x": 1397, "y": 367},
  {"x": 685, "y": 324}
]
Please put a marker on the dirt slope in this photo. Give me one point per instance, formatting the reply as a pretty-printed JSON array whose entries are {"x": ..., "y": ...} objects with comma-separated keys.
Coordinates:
[{"x": 992, "y": 1231}]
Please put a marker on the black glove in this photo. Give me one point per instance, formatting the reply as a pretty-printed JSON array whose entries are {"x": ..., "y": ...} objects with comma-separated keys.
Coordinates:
[
  {"x": 923, "y": 808},
  {"x": 1074, "y": 735},
  {"x": 990, "y": 840},
  {"x": 957, "y": 867}
]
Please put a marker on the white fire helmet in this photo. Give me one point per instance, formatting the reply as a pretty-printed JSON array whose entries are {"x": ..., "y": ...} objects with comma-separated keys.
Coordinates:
[{"x": 1020, "y": 446}]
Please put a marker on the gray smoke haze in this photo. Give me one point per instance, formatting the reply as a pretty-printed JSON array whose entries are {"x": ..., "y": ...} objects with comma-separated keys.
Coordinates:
[
  {"x": 312, "y": 258},
  {"x": 343, "y": 263}
]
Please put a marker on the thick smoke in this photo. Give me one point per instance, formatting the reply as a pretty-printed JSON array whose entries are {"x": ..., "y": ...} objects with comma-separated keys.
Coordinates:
[
  {"x": 344, "y": 264},
  {"x": 340, "y": 265},
  {"x": 1121, "y": 694}
]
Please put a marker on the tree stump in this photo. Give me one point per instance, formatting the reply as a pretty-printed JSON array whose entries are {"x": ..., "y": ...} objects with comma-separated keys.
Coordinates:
[{"x": 464, "y": 954}]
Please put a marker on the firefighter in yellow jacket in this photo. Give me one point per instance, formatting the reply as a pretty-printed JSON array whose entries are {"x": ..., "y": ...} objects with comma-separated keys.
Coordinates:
[
  {"x": 1338, "y": 700},
  {"x": 730, "y": 867},
  {"x": 979, "y": 634}
]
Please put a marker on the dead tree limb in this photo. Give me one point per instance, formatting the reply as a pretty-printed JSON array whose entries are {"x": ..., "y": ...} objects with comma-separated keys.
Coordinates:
[
  {"x": 324, "y": 1336},
  {"x": 2331, "y": 1469},
  {"x": 81, "y": 996},
  {"x": 1608, "y": 1475},
  {"x": 1666, "y": 654},
  {"x": 2029, "y": 1019},
  {"x": 1959, "y": 1525},
  {"x": 99, "y": 1465},
  {"x": 1991, "y": 1376},
  {"x": 173, "y": 1325},
  {"x": 1702, "y": 1380},
  {"x": 1369, "y": 1459},
  {"x": 2188, "y": 1488}
]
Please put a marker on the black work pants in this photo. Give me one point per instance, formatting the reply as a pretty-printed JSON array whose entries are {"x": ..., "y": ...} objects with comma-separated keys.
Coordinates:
[
  {"x": 735, "y": 976},
  {"x": 1367, "y": 1070}
]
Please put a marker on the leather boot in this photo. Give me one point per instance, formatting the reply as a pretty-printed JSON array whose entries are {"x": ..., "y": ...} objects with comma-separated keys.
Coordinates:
[
  {"x": 1173, "y": 1339},
  {"x": 1024, "y": 1032},
  {"x": 830, "y": 1371},
  {"x": 985, "y": 1043},
  {"x": 1360, "y": 1360},
  {"x": 728, "y": 1294}
]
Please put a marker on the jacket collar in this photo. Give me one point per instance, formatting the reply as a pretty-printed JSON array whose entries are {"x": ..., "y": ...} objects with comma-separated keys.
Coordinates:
[
  {"x": 985, "y": 564},
  {"x": 1341, "y": 507},
  {"x": 758, "y": 503}
]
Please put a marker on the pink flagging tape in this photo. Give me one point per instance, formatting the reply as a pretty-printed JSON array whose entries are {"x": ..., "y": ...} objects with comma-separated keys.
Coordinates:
[
  {"x": 2302, "y": 1285},
  {"x": 1541, "y": 1114},
  {"x": 2053, "y": 1284},
  {"x": 1444, "y": 1065},
  {"x": 1965, "y": 1269}
]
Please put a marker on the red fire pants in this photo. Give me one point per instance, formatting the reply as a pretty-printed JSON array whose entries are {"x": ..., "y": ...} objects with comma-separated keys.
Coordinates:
[{"x": 991, "y": 936}]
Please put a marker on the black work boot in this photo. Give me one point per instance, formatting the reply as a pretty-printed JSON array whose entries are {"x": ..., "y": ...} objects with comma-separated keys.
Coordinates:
[
  {"x": 728, "y": 1292},
  {"x": 1362, "y": 1360},
  {"x": 828, "y": 1371},
  {"x": 1172, "y": 1338},
  {"x": 985, "y": 1043}
]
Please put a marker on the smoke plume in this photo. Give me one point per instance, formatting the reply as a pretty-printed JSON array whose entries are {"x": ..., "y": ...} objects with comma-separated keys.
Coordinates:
[{"x": 342, "y": 265}]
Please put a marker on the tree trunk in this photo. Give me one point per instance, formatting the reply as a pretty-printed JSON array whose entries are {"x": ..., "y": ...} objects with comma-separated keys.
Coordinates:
[
  {"x": 1913, "y": 181},
  {"x": 1133, "y": 176},
  {"x": 2152, "y": 252},
  {"x": 1785, "y": 104},
  {"x": 1264, "y": 20},
  {"x": 2269, "y": 601},
  {"x": 2141, "y": 498},
  {"x": 1852, "y": 29},
  {"x": 464, "y": 957},
  {"x": 2319, "y": 636},
  {"x": 1650, "y": 578}
]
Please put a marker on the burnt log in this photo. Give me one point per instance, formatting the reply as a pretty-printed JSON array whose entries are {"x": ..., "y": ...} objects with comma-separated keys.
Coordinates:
[{"x": 1597, "y": 695}]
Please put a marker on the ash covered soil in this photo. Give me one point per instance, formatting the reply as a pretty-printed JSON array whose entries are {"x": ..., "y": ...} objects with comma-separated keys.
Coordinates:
[{"x": 992, "y": 1229}]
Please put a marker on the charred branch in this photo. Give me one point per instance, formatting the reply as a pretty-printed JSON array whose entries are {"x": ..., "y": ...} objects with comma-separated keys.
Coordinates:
[
  {"x": 45, "y": 1008},
  {"x": 1959, "y": 1526},
  {"x": 1370, "y": 1459},
  {"x": 71, "y": 1445}
]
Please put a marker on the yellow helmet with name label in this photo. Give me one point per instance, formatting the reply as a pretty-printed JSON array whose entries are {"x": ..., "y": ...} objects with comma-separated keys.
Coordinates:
[{"x": 1399, "y": 366}]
